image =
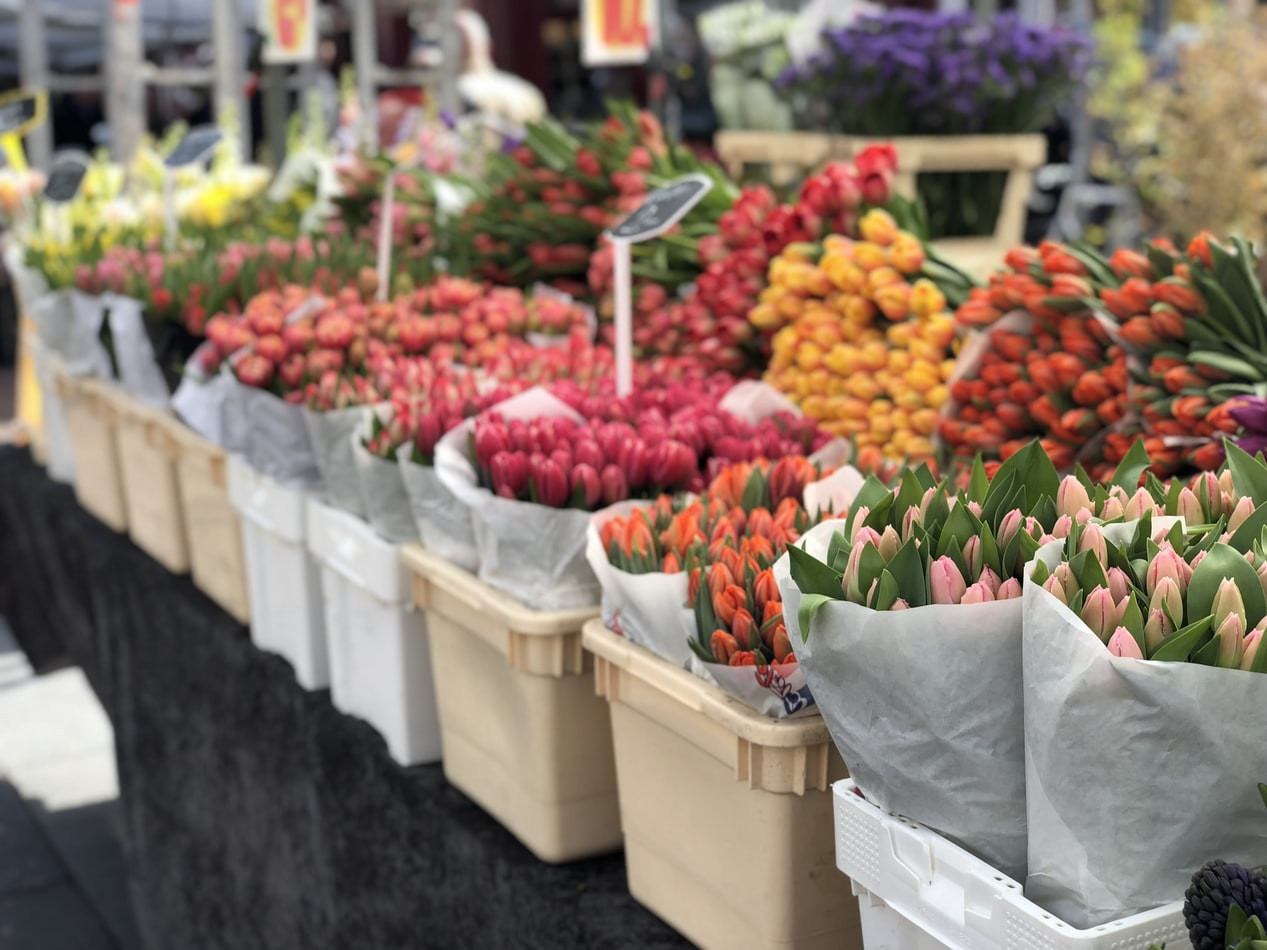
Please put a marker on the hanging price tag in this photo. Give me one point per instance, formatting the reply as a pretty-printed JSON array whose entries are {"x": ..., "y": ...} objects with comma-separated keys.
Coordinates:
[
  {"x": 66, "y": 177},
  {"x": 386, "y": 211},
  {"x": 195, "y": 147},
  {"x": 20, "y": 113},
  {"x": 662, "y": 209}
]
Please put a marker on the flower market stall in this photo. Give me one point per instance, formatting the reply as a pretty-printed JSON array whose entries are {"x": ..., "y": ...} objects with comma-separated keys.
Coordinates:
[{"x": 857, "y": 599}]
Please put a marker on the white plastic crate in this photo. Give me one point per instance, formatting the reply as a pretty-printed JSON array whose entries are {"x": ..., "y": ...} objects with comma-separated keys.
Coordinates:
[
  {"x": 380, "y": 658},
  {"x": 282, "y": 582},
  {"x": 918, "y": 891}
]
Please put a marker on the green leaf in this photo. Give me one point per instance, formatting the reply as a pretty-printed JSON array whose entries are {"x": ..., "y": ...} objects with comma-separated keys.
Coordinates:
[
  {"x": 1161, "y": 260},
  {"x": 811, "y": 604},
  {"x": 1003, "y": 496},
  {"x": 1207, "y": 654},
  {"x": 756, "y": 491},
  {"x": 1222, "y": 561},
  {"x": 979, "y": 483},
  {"x": 1236, "y": 920},
  {"x": 1184, "y": 642},
  {"x": 1132, "y": 467},
  {"x": 1040, "y": 573},
  {"x": 871, "y": 492},
  {"x": 871, "y": 565},
  {"x": 886, "y": 592},
  {"x": 1249, "y": 475},
  {"x": 955, "y": 553},
  {"x": 909, "y": 494},
  {"x": 937, "y": 513},
  {"x": 1232, "y": 365},
  {"x": 1045, "y": 513},
  {"x": 907, "y": 568},
  {"x": 1260, "y": 661},
  {"x": 1262, "y": 790},
  {"x": 961, "y": 524},
  {"x": 837, "y": 548},
  {"x": 1133, "y": 620},
  {"x": 1089, "y": 571},
  {"x": 811, "y": 575},
  {"x": 990, "y": 551},
  {"x": 925, "y": 475}
]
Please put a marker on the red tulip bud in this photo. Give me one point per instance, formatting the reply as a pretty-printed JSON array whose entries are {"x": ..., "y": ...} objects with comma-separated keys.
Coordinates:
[
  {"x": 551, "y": 484},
  {"x": 509, "y": 472},
  {"x": 587, "y": 484},
  {"x": 615, "y": 485}
]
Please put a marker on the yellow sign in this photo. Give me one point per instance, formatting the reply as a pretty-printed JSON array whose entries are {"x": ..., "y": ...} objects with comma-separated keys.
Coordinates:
[
  {"x": 618, "y": 32},
  {"x": 20, "y": 113},
  {"x": 289, "y": 28}
]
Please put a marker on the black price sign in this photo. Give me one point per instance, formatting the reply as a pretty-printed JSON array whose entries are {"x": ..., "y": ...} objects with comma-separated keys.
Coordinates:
[
  {"x": 662, "y": 209},
  {"x": 20, "y": 112},
  {"x": 194, "y": 147},
  {"x": 65, "y": 177}
]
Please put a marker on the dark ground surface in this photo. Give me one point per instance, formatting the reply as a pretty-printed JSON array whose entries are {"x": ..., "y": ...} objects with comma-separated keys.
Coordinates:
[{"x": 254, "y": 814}]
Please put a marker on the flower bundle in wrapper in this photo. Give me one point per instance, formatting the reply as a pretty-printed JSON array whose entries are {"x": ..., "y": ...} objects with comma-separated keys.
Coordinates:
[
  {"x": 914, "y": 655},
  {"x": 137, "y": 368},
  {"x": 1138, "y": 770},
  {"x": 382, "y": 492}
]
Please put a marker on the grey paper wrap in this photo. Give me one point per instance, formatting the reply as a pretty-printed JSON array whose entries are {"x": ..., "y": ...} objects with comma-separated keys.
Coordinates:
[
  {"x": 330, "y": 434},
  {"x": 383, "y": 494},
  {"x": 1137, "y": 771},
  {"x": 443, "y": 522},
  {"x": 270, "y": 434},
  {"x": 925, "y": 707}
]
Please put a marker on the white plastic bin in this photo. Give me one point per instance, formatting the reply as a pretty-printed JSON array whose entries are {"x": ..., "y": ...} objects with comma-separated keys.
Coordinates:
[
  {"x": 918, "y": 891},
  {"x": 380, "y": 658},
  {"x": 282, "y": 582}
]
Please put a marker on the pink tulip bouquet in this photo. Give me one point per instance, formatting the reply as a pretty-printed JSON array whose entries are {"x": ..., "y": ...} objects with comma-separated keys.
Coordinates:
[{"x": 1142, "y": 650}]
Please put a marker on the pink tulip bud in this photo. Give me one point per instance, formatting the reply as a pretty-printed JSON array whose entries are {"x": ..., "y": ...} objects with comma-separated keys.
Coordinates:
[
  {"x": 859, "y": 516},
  {"x": 1010, "y": 589},
  {"x": 1071, "y": 497},
  {"x": 1227, "y": 485},
  {"x": 1053, "y": 586},
  {"x": 989, "y": 579},
  {"x": 945, "y": 582},
  {"x": 490, "y": 438},
  {"x": 925, "y": 501},
  {"x": 587, "y": 484},
  {"x": 1064, "y": 524},
  {"x": 1189, "y": 507},
  {"x": 1168, "y": 598},
  {"x": 1112, "y": 509},
  {"x": 1140, "y": 503},
  {"x": 1119, "y": 583},
  {"x": 1167, "y": 563},
  {"x": 1240, "y": 513},
  {"x": 1069, "y": 583},
  {"x": 978, "y": 593},
  {"x": 508, "y": 471},
  {"x": 671, "y": 465},
  {"x": 1157, "y": 628},
  {"x": 1205, "y": 486},
  {"x": 551, "y": 483},
  {"x": 910, "y": 518},
  {"x": 900, "y": 604},
  {"x": 1100, "y": 613},
  {"x": 972, "y": 556},
  {"x": 975, "y": 508},
  {"x": 1262, "y": 576},
  {"x": 1231, "y": 637},
  {"x": 1009, "y": 526},
  {"x": 1122, "y": 644},
  {"x": 1093, "y": 540},
  {"x": 615, "y": 486},
  {"x": 587, "y": 452},
  {"x": 1228, "y": 600},
  {"x": 1251, "y": 648},
  {"x": 889, "y": 543},
  {"x": 866, "y": 535}
]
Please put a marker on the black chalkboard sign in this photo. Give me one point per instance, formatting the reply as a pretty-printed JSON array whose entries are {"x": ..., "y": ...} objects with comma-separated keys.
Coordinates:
[
  {"x": 19, "y": 113},
  {"x": 65, "y": 177},
  {"x": 662, "y": 209},
  {"x": 194, "y": 147}
]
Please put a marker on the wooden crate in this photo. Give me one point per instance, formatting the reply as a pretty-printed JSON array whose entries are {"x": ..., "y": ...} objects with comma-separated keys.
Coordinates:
[
  {"x": 147, "y": 463},
  {"x": 93, "y": 420},
  {"x": 792, "y": 154}
]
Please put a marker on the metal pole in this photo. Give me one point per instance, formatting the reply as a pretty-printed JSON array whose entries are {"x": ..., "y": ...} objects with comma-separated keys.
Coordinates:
[
  {"x": 33, "y": 70},
  {"x": 451, "y": 54},
  {"x": 125, "y": 91},
  {"x": 365, "y": 60},
  {"x": 230, "y": 77},
  {"x": 276, "y": 108}
]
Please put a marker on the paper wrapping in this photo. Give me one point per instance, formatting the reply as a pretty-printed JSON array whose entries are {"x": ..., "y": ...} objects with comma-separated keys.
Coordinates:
[
  {"x": 779, "y": 691},
  {"x": 925, "y": 706},
  {"x": 533, "y": 553},
  {"x": 65, "y": 321},
  {"x": 645, "y": 608},
  {"x": 200, "y": 397},
  {"x": 269, "y": 433},
  {"x": 138, "y": 370},
  {"x": 443, "y": 523},
  {"x": 1138, "y": 772},
  {"x": 382, "y": 491},
  {"x": 330, "y": 434}
]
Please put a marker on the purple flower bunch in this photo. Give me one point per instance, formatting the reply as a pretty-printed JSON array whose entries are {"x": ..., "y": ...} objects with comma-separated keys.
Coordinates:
[{"x": 908, "y": 72}]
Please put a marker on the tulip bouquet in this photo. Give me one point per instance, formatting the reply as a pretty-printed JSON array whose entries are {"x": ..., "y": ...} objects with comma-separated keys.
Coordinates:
[
  {"x": 921, "y": 585},
  {"x": 863, "y": 343},
  {"x": 1154, "y": 631}
]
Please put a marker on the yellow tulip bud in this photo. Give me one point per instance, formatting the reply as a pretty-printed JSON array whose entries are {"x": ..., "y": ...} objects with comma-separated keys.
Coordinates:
[
  {"x": 878, "y": 227},
  {"x": 907, "y": 253}
]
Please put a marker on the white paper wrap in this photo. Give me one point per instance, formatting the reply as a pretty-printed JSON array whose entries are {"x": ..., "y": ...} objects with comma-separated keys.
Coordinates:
[
  {"x": 270, "y": 434},
  {"x": 752, "y": 400},
  {"x": 443, "y": 522},
  {"x": 331, "y": 436},
  {"x": 925, "y": 707},
  {"x": 200, "y": 397},
  {"x": 533, "y": 553},
  {"x": 1138, "y": 772},
  {"x": 139, "y": 373},
  {"x": 779, "y": 690},
  {"x": 645, "y": 608},
  {"x": 68, "y": 331},
  {"x": 382, "y": 491}
]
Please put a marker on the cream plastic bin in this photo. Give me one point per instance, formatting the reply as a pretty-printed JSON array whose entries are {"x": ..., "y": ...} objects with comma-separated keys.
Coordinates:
[
  {"x": 213, "y": 528},
  {"x": 522, "y": 731},
  {"x": 712, "y": 792},
  {"x": 918, "y": 891},
  {"x": 93, "y": 421},
  {"x": 380, "y": 661},
  {"x": 282, "y": 581},
  {"x": 151, "y": 489},
  {"x": 54, "y": 438}
]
